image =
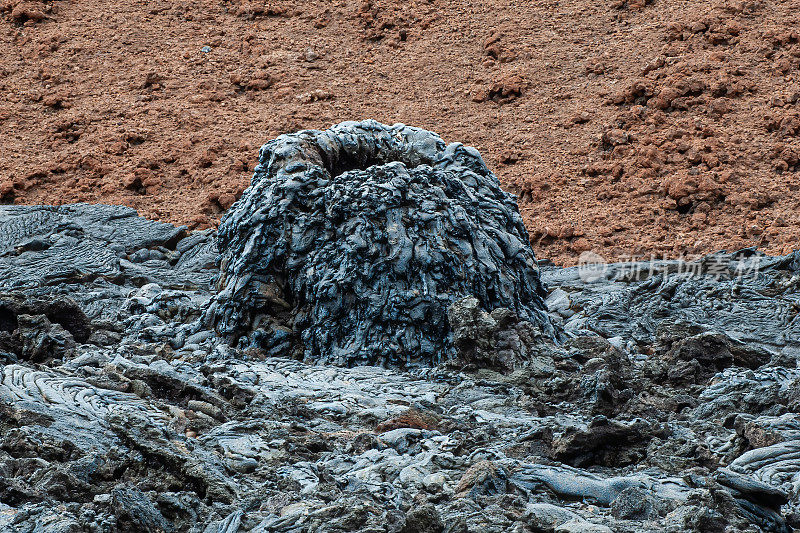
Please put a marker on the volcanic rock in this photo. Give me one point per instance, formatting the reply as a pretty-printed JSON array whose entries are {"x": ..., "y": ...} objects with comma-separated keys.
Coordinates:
[
  {"x": 351, "y": 244},
  {"x": 122, "y": 410}
]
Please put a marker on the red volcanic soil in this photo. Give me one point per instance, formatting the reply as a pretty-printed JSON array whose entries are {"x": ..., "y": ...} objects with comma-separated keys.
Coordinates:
[{"x": 627, "y": 127}]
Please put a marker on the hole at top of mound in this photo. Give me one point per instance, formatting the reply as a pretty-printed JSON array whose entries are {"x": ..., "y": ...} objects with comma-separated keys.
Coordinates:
[
  {"x": 347, "y": 153},
  {"x": 346, "y": 161},
  {"x": 8, "y": 320}
]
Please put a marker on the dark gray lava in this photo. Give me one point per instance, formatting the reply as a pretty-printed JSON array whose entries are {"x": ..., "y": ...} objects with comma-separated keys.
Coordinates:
[
  {"x": 353, "y": 242},
  {"x": 670, "y": 402}
]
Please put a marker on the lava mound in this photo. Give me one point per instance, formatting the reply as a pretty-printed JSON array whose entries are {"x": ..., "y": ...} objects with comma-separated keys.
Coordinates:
[{"x": 350, "y": 244}]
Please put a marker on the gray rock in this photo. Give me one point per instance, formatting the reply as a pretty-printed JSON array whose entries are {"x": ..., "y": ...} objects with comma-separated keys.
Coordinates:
[
  {"x": 633, "y": 503},
  {"x": 75, "y": 231},
  {"x": 546, "y": 516},
  {"x": 495, "y": 340},
  {"x": 364, "y": 234},
  {"x": 423, "y": 519},
  {"x": 135, "y": 511},
  {"x": 582, "y": 526}
]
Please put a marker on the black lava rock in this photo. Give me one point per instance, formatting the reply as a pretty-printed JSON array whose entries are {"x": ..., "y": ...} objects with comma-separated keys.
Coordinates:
[{"x": 351, "y": 243}]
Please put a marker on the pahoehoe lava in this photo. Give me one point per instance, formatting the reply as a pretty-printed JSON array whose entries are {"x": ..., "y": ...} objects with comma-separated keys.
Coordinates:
[
  {"x": 668, "y": 402},
  {"x": 352, "y": 243}
]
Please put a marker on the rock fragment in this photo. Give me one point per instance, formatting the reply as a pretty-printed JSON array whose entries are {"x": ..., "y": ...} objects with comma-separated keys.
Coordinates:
[
  {"x": 135, "y": 511},
  {"x": 424, "y": 519},
  {"x": 491, "y": 340}
]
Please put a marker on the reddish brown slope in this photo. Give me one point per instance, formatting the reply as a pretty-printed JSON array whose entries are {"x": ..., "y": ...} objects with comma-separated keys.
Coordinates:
[{"x": 666, "y": 128}]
